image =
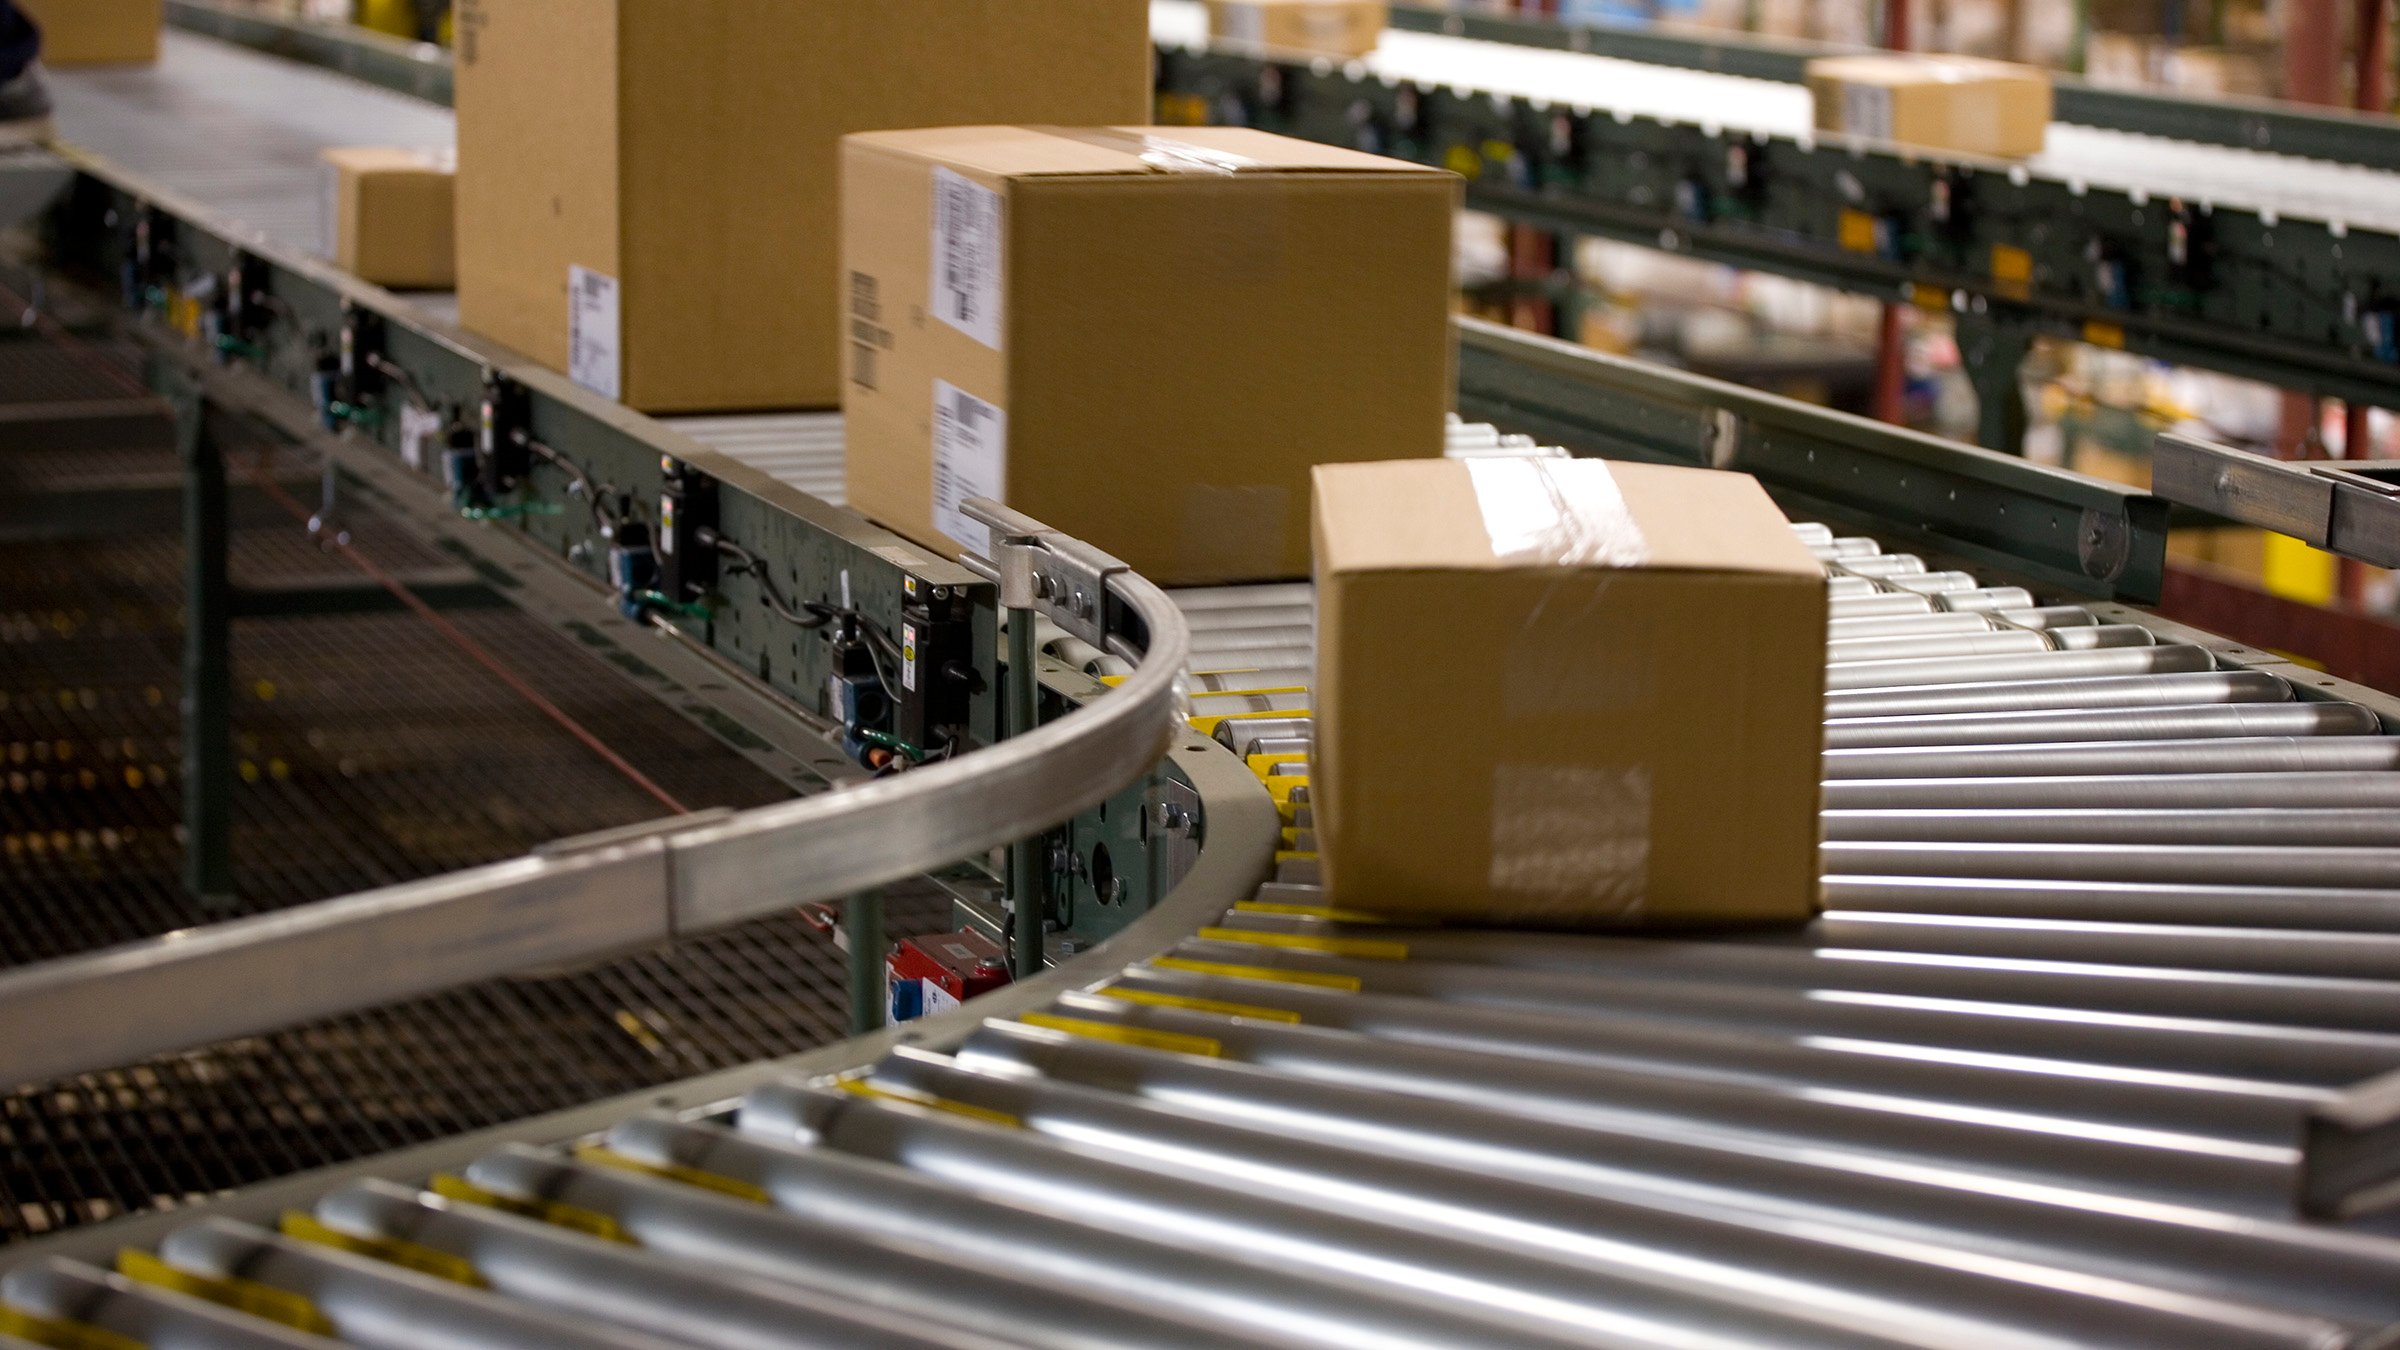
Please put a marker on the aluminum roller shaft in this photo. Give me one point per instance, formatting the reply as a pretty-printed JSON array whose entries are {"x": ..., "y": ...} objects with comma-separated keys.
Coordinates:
[
  {"x": 544, "y": 1264},
  {"x": 1883, "y": 565},
  {"x": 2117, "y": 691},
  {"x": 2042, "y": 665},
  {"x": 145, "y": 1315},
  {"x": 2273, "y": 827},
  {"x": 2350, "y": 956},
  {"x": 1555, "y": 970},
  {"x": 1842, "y": 651},
  {"x": 1906, "y": 625},
  {"x": 2277, "y": 754},
  {"x": 1019, "y": 1272},
  {"x": 379, "y": 1305},
  {"x": 2179, "y": 1166},
  {"x": 1292, "y": 594},
  {"x": 1774, "y": 1057},
  {"x": 1614, "y": 1289},
  {"x": 2273, "y": 1263},
  {"x": 1857, "y": 604},
  {"x": 2325, "y": 909},
  {"x": 2047, "y": 616},
  {"x": 1820, "y": 1276},
  {"x": 2139, "y": 791},
  {"x": 1986, "y": 599},
  {"x": 2191, "y": 722},
  {"x": 2218, "y": 864}
]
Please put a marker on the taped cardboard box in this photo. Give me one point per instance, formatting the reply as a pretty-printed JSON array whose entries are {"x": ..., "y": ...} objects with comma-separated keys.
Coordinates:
[
  {"x": 1346, "y": 29},
  {"x": 1143, "y": 341},
  {"x": 97, "y": 32},
  {"x": 1955, "y": 103},
  {"x": 646, "y": 193},
  {"x": 1565, "y": 694},
  {"x": 391, "y": 215}
]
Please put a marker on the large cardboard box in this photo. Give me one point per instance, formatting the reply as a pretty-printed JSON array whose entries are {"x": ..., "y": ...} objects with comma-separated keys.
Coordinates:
[
  {"x": 1565, "y": 693},
  {"x": 1142, "y": 340},
  {"x": 97, "y": 32},
  {"x": 1956, "y": 103},
  {"x": 1338, "y": 28},
  {"x": 391, "y": 215},
  {"x": 646, "y": 192}
]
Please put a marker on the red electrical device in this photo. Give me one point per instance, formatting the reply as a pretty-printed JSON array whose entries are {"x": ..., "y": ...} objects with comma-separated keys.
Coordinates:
[{"x": 927, "y": 975}]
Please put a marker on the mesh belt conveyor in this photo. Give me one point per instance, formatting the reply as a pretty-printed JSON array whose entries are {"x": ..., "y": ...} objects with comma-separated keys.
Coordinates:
[{"x": 2107, "y": 958}]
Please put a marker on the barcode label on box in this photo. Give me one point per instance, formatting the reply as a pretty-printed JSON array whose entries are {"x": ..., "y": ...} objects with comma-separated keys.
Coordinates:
[
  {"x": 966, "y": 256},
  {"x": 970, "y": 459},
  {"x": 1867, "y": 110},
  {"x": 594, "y": 318}
]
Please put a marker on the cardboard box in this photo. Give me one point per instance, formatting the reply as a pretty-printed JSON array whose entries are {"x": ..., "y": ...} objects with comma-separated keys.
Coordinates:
[
  {"x": 1565, "y": 693},
  {"x": 97, "y": 32},
  {"x": 1955, "y": 103},
  {"x": 1346, "y": 29},
  {"x": 390, "y": 216},
  {"x": 1142, "y": 340},
  {"x": 646, "y": 193}
]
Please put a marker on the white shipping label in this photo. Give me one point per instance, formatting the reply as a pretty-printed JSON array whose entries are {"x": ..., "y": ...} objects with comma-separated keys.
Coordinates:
[
  {"x": 937, "y": 999},
  {"x": 970, "y": 459},
  {"x": 595, "y": 350},
  {"x": 1867, "y": 110},
  {"x": 965, "y": 285},
  {"x": 418, "y": 428}
]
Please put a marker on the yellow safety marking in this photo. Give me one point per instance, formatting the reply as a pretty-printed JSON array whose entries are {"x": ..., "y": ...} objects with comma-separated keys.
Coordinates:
[
  {"x": 1291, "y": 841},
  {"x": 1374, "y": 949},
  {"x": 1320, "y": 979},
  {"x": 401, "y": 1252},
  {"x": 1112, "y": 681},
  {"x": 1289, "y": 810},
  {"x": 1154, "y": 999},
  {"x": 2101, "y": 334},
  {"x": 1284, "y": 855},
  {"x": 600, "y": 1156},
  {"x": 860, "y": 1087},
  {"x": 263, "y": 1301},
  {"x": 1145, "y": 1037},
  {"x": 1463, "y": 161},
  {"x": 1199, "y": 694},
  {"x": 451, "y": 1186},
  {"x": 1280, "y": 786},
  {"x": 1326, "y": 913},
  {"x": 2012, "y": 269},
  {"x": 60, "y": 1335},
  {"x": 1857, "y": 232},
  {"x": 1206, "y": 723},
  {"x": 1930, "y": 298}
]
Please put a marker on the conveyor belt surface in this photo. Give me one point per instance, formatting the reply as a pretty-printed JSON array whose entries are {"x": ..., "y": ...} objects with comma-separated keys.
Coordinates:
[{"x": 2052, "y": 1070}]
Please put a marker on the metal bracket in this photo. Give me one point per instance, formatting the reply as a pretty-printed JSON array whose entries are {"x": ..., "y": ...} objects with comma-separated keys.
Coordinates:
[
  {"x": 2104, "y": 542},
  {"x": 2334, "y": 508},
  {"x": 1037, "y": 568}
]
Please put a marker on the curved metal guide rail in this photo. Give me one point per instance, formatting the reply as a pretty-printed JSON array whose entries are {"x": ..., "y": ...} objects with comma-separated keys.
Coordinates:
[{"x": 2093, "y": 1047}]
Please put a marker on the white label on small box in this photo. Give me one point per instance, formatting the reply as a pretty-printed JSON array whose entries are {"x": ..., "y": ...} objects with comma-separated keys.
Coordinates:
[
  {"x": 938, "y": 999},
  {"x": 418, "y": 427},
  {"x": 970, "y": 459},
  {"x": 908, "y": 657},
  {"x": 1867, "y": 110},
  {"x": 965, "y": 285},
  {"x": 594, "y": 318}
]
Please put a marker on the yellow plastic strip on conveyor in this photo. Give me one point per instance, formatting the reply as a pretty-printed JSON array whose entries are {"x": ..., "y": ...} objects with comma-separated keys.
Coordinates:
[
  {"x": 1207, "y": 725},
  {"x": 451, "y": 1186},
  {"x": 1199, "y": 694},
  {"x": 1145, "y": 1037},
  {"x": 1154, "y": 999},
  {"x": 908, "y": 1096},
  {"x": 400, "y": 1252},
  {"x": 1307, "y": 912},
  {"x": 1280, "y": 787},
  {"x": 1372, "y": 949},
  {"x": 1316, "y": 979},
  {"x": 60, "y": 1335},
  {"x": 263, "y": 1301},
  {"x": 1264, "y": 765},
  {"x": 599, "y": 1156}
]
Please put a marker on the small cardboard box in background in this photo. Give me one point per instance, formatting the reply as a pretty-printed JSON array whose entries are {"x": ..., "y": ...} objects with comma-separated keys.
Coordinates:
[
  {"x": 1957, "y": 103},
  {"x": 1565, "y": 693},
  {"x": 391, "y": 216},
  {"x": 97, "y": 32},
  {"x": 1339, "y": 28},
  {"x": 1142, "y": 340},
  {"x": 646, "y": 192}
]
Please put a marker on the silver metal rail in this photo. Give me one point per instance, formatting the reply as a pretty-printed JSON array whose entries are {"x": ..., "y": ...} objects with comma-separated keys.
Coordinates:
[{"x": 580, "y": 900}]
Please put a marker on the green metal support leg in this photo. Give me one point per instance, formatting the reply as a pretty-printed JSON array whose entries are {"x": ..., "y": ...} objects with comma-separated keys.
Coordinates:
[
  {"x": 1024, "y": 858},
  {"x": 862, "y": 928},
  {"x": 207, "y": 657},
  {"x": 1994, "y": 348}
]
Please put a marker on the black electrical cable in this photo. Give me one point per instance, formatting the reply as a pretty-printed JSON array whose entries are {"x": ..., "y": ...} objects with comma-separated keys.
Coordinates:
[
  {"x": 813, "y": 614},
  {"x": 595, "y": 495}
]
